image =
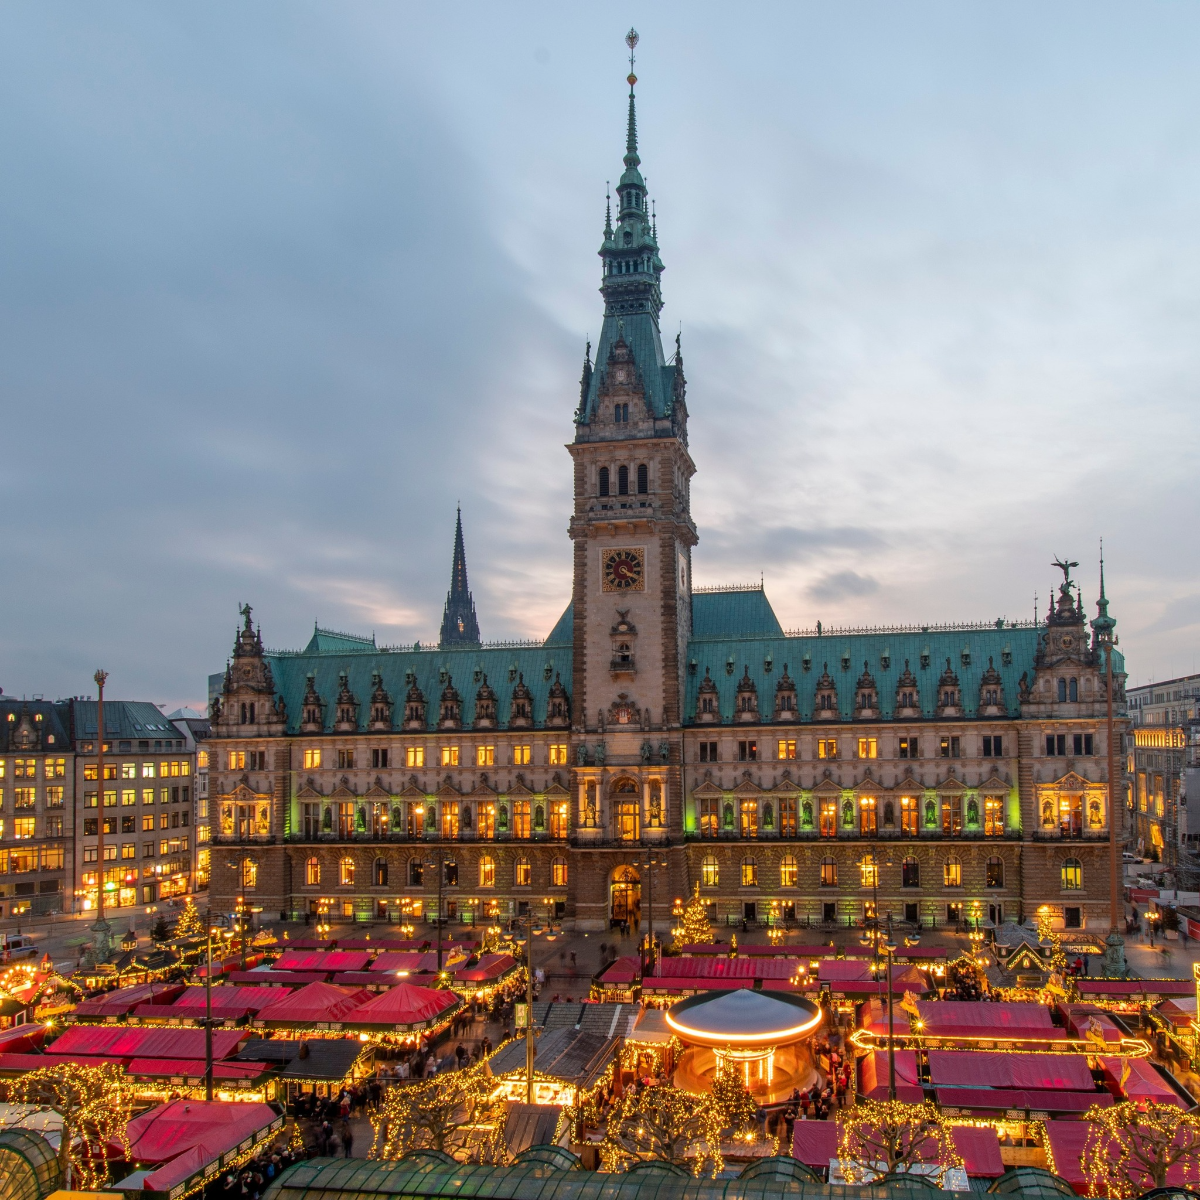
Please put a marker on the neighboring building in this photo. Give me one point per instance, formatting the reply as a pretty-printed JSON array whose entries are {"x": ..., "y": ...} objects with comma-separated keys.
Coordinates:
[
  {"x": 196, "y": 728},
  {"x": 664, "y": 734},
  {"x": 1172, "y": 702},
  {"x": 1156, "y": 765}
]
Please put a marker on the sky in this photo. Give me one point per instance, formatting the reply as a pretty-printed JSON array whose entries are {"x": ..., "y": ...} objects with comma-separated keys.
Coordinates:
[{"x": 283, "y": 283}]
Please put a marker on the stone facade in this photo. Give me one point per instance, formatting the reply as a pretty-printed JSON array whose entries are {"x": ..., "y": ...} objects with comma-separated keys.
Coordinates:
[{"x": 664, "y": 735}]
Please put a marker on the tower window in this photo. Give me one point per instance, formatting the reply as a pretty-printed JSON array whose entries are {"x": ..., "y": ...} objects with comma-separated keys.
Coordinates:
[
  {"x": 643, "y": 479},
  {"x": 604, "y": 481},
  {"x": 622, "y": 481}
]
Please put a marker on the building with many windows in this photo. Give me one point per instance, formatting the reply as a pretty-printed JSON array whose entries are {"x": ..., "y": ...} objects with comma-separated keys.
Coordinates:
[
  {"x": 662, "y": 734},
  {"x": 1171, "y": 702}
]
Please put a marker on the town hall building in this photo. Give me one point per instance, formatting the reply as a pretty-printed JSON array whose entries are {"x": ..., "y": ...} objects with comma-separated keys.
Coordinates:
[{"x": 662, "y": 735}]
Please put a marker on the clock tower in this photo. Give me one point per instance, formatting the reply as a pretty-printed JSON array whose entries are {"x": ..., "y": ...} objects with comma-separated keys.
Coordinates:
[{"x": 633, "y": 534}]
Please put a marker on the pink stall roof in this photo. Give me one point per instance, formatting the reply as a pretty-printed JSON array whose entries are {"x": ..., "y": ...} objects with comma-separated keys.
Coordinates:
[
  {"x": 715, "y": 969},
  {"x": 227, "y": 1004},
  {"x": 382, "y": 944},
  {"x": 322, "y": 960},
  {"x": 287, "y": 979},
  {"x": 1138, "y": 1079},
  {"x": 318, "y": 1003},
  {"x": 405, "y": 1005},
  {"x": 1002, "y": 1099},
  {"x": 488, "y": 968},
  {"x": 165, "y": 1132},
  {"x": 982, "y": 1018},
  {"x": 814, "y": 1143},
  {"x": 119, "y": 1041},
  {"x": 162, "y": 1068},
  {"x": 194, "y": 997},
  {"x": 1180, "y": 1012},
  {"x": 983, "y": 1069},
  {"x": 1134, "y": 988},
  {"x": 125, "y": 1000},
  {"x": 412, "y": 961},
  {"x": 875, "y": 1076},
  {"x": 621, "y": 970},
  {"x": 718, "y": 949},
  {"x": 20, "y": 1063}
]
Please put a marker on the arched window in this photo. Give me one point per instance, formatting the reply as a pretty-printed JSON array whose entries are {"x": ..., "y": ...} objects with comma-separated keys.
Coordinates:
[
  {"x": 829, "y": 872},
  {"x": 710, "y": 873},
  {"x": 522, "y": 873},
  {"x": 312, "y": 872},
  {"x": 487, "y": 871},
  {"x": 643, "y": 479},
  {"x": 558, "y": 872},
  {"x": 604, "y": 481},
  {"x": 1072, "y": 875},
  {"x": 995, "y": 872},
  {"x": 749, "y": 872},
  {"x": 910, "y": 873},
  {"x": 952, "y": 872},
  {"x": 381, "y": 872},
  {"x": 788, "y": 871},
  {"x": 416, "y": 872},
  {"x": 622, "y": 481},
  {"x": 346, "y": 872}
]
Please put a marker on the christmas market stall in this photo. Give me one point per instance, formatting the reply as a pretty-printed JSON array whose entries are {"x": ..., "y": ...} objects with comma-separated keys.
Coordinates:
[
  {"x": 113, "y": 1006},
  {"x": 176, "y": 1148},
  {"x": 322, "y": 1066},
  {"x": 988, "y": 1084},
  {"x": 619, "y": 982},
  {"x": 229, "y": 1005},
  {"x": 1140, "y": 1079},
  {"x": 405, "y": 1013},
  {"x": 568, "y": 1064},
  {"x": 873, "y": 1080},
  {"x": 651, "y": 1047},
  {"x": 321, "y": 1009}
]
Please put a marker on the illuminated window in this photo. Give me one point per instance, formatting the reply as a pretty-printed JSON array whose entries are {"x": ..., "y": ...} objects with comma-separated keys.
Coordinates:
[
  {"x": 558, "y": 754},
  {"x": 789, "y": 871},
  {"x": 380, "y": 872},
  {"x": 952, "y": 815},
  {"x": 128, "y": 796},
  {"x": 868, "y": 747},
  {"x": 909, "y": 748},
  {"x": 952, "y": 872},
  {"x": 521, "y": 756},
  {"x": 128, "y": 850},
  {"x": 868, "y": 871},
  {"x": 414, "y": 756},
  {"x": 24, "y": 797},
  {"x": 522, "y": 872},
  {"x": 202, "y": 760},
  {"x": 416, "y": 872},
  {"x": 148, "y": 770},
  {"x": 558, "y": 872},
  {"x": 129, "y": 770},
  {"x": 995, "y": 872},
  {"x": 868, "y": 819},
  {"x": 237, "y": 760},
  {"x": 25, "y": 768},
  {"x": 993, "y": 816},
  {"x": 749, "y": 815},
  {"x": 787, "y": 748},
  {"x": 54, "y": 796},
  {"x": 710, "y": 873},
  {"x": 829, "y": 812},
  {"x": 90, "y": 854},
  {"x": 346, "y": 872},
  {"x": 485, "y": 756},
  {"x": 55, "y": 768},
  {"x": 828, "y": 872},
  {"x": 559, "y": 819},
  {"x": 312, "y": 872},
  {"x": 749, "y": 872},
  {"x": 23, "y": 827},
  {"x": 52, "y": 858},
  {"x": 89, "y": 771},
  {"x": 147, "y": 822},
  {"x": 827, "y": 748},
  {"x": 521, "y": 818},
  {"x": 449, "y": 756},
  {"x": 312, "y": 758},
  {"x": 450, "y": 820},
  {"x": 787, "y": 816},
  {"x": 1072, "y": 875}
]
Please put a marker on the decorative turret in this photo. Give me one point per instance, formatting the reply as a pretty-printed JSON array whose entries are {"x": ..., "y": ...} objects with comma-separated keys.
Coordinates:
[
  {"x": 785, "y": 697},
  {"x": 248, "y": 692},
  {"x": 347, "y": 707},
  {"x": 558, "y": 705},
  {"x": 450, "y": 708},
  {"x": 414, "y": 708},
  {"x": 825, "y": 701},
  {"x": 991, "y": 692},
  {"x": 745, "y": 705},
  {"x": 485, "y": 706},
  {"x": 313, "y": 708},
  {"x": 949, "y": 694},
  {"x": 908, "y": 694},
  {"x": 708, "y": 701},
  {"x": 460, "y": 627},
  {"x": 381, "y": 705},
  {"x": 520, "y": 713},
  {"x": 866, "y": 699}
]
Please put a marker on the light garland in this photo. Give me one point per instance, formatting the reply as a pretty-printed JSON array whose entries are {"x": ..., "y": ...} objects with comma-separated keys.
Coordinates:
[
  {"x": 694, "y": 929},
  {"x": 1149, "y": 1140},
  {"x": 665, "y": 1124},
  {"x": 95, "y": 1104},
  {"x": 189, "y": 924},
  {"x": 894, "y": 1135}
]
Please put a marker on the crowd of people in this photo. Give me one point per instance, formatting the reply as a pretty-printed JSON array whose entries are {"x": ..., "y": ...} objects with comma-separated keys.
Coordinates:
[{"x": 250, "y": 1180}]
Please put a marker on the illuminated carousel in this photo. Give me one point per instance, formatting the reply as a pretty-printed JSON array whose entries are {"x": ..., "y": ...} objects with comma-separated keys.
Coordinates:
[{"x": 766, "y": 1039}]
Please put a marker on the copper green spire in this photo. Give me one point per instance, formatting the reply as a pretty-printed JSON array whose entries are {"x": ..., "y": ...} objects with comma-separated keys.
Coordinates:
[{"x": 631, "y": 154}]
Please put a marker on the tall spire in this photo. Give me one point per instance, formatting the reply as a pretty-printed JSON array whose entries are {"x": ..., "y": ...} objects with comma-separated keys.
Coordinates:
[
  {"x": 631, "y": 154},
  {"x": 460, "y": 627},
  {"x": 1103, "y": 625}
]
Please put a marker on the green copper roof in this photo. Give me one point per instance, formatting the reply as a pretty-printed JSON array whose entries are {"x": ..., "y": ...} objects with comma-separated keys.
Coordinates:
[
  {"x": 735, "y": 613},
  {"x": 326, "y": 641}
]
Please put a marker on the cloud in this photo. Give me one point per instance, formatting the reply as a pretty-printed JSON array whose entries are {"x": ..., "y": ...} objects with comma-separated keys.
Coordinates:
[{"x": 843, "y": 585}]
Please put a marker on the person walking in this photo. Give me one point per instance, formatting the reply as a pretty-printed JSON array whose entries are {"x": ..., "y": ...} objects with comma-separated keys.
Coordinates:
[{"x": 347, "y": 1139}]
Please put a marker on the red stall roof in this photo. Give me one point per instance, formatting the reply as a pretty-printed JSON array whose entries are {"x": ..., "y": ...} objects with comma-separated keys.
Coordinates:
[
  {"x": 317, "y": 1003},
  {"x": 405, "y": 1004},
  {"x": 227, "y": 1004},
  {"x": 156, "y": 1068},
  {"x": 983, "y": 1069},
  {"x": 193, "y": 997},
  {"x": 125, "y": 1000},
  {"x": 22, "y": 1062},
  {"x": 413, "y": 961},
  {"x": 165, "y": 1132},
  {"x": 997, "y": 1099},
  {"x": 621, "y": 970},
  {"x": 1134, "y": 988},
  {"x": 725, "y": 968},
  {"x": 718, "y": 949},
  {"x": 120, "y": 1041},
  {"x": 982, "y": 1018},
  {"x": 380, "y": 944},
  {"x": 1138, "y": 1079},
  {"x": 322, "y": 960},
  {"x": 277, "y": 979},
  {"x": 814, "y": 1143},
  {"x": 875, "y": 1076},
  {"x": 489, "y": 967}
]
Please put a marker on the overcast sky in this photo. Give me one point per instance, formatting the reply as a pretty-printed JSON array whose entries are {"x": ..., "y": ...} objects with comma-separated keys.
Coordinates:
[{"x": 282, "y": 282}]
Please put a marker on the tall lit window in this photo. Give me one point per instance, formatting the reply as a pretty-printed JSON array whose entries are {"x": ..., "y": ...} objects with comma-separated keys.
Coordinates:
[
  {"x": 129, "y": 770},
  {"x": 1072, "y": 875},
  {"x": 55, "y": 768},
  {"x": 346, "y": 872},
  {"x": 868, "y": 871},
  {"x": 952, "y": 872},
  {"x": 312, "y": 758},
  {"x": 202, "y": 760},
  {"x": 26, "y": 768},
  {"x": 237, "y": 760},
  {"x": 909, "y": 810},
  {"x": 449, "y": 756},
  {"x": 249, "y": 868},
  {"x": 995, "y": 872},
  {"x": 559, "y": 819},
  {"x": 487, "y": 871},
  {"x": 24, "y": 797},
  {"x": 993, "y": 816},
  {"x": 54, "y": 796},
  {"x": 829, "y": 872},
  {"x": 148, "y": 771},
  {"x": 414, "y": 756},
  {"x": 749, "y": 815},
  {"x": 868, "y": 747},
  {"x": 520, "y": 818},
  {"x": 522, "y": 873},
  {"x": 827, "y": 748},
  {"x": 449, "y": 820},
  {"x": 23, "y": 827},
  {"x": 558, "y": 754},
  {"x": 787, "y": 748},
  {"x": 829, "y": 813},
  {"x": 312, "y": 872},
  {"x": 558, "y": 871},
  {"x": 710, "y": 872},
  {"x": 789, "y": 871},
  {"x": 749, "y": 872},
  {"x": 868, "y": 818},
  {"x": 521, "y": 755},
  {"x": 485, "y": 756}
]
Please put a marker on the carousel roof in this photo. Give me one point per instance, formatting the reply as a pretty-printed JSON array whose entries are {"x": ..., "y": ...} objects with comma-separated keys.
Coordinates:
[{"x": 748, "y": 1014}]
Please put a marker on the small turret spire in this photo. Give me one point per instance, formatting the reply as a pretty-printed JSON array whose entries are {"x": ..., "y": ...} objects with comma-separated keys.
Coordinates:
[
  {"x": 607, "y": 211},
  {"x": 460, "y": 626},
  {"x": 631, "y": 154},
  {"x": 1103, "y": 625}
]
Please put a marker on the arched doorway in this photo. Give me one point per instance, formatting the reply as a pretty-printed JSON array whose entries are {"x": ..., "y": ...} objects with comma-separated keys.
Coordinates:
[{"x": 626, "y": 896}]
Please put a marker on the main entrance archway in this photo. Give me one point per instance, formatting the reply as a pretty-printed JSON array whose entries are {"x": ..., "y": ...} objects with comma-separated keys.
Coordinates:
[{"x": 626, "y": 895}]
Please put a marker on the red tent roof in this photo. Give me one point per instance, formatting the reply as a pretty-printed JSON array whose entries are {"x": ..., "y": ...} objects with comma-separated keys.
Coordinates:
[
  {"x": 125, "y": 1000},
  {"x": 32, "y": 1062},
  {"x": 983, "y": 1069},
  {"x": 154, "y": 1068},
  {"x": 193, "y": 997},
  {"x": 115, "y": 1041},
  {"x": 622, "y": 970},
  {"x": 875, "y": 1076},
  {"x": 814, "y": 1143},
  {"x": 314, "y": 1004},
  {"x": 278, "y": 979},
  {"x": 1135, "y": 987},
  {"x": 165, "y": 1132},
  {"x": 489, "y": 967},
  {"x": 1138, "y": 1079},
  {"x": 982, "y": 1018},
  {"x": 721, "y": 969},
  {"x": 718, "y": 949},
  {"x": 381, "y": 944},
  {"x": 322, "y": 960},
  {"x": 406, "y": 1005},
  {"x": 409, "y": 960},
  {"x": 996, "y": 1099}
]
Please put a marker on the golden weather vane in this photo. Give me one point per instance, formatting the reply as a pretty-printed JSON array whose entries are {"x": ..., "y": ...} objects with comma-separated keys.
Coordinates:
[{"x": 631, "y": 40}]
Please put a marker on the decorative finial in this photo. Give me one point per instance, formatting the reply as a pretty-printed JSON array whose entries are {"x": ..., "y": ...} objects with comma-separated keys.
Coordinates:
[
  {"x": 608, "y": 229},
  {"x": 631, "y": 40}
]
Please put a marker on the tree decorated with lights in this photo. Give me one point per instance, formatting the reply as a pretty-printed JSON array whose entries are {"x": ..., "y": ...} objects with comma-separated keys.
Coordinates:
[
  {"x": 695, "y": 928},
  {"x": 663, "y": 1124},
  {"x": 1048, "y": 937},
  {"x": 1132, "y": 1146},
  {"x": 735, "y": 1106},
  {"x": 460, "y": 1113},
  {"x": 890, "y": 1137},
  {"x": 190, "y": 924},
  {"x": 95, "y": 1105}
]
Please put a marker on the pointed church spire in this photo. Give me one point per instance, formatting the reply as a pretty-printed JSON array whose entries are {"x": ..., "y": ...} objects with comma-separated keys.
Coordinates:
[
  {"x": 1103, "y": 625},
  {"x": 631, "y": 154},
  {"x": 460, "y": 627}
]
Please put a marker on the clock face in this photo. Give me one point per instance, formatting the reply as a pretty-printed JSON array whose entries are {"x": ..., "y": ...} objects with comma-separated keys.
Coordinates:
[{"x": 624, "y": 570}]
